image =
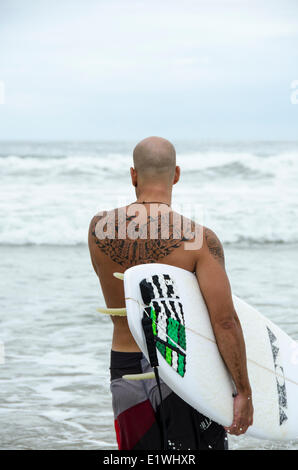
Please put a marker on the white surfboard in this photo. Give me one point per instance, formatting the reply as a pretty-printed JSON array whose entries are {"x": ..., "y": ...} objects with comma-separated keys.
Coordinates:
[{"x": 189, "y": 360}]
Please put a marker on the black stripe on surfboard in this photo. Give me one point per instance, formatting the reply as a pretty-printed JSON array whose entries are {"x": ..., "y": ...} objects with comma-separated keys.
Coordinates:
[{"x": 171, "y": 346}]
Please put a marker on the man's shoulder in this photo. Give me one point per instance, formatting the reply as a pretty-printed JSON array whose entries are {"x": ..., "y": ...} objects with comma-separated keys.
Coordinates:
[
  {"x": 102, "y": 214},
  {"x": 213, "y": 244}
]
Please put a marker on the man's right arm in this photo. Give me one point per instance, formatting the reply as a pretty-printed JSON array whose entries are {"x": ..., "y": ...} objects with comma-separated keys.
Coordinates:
[{"x": 215, "y": 288}]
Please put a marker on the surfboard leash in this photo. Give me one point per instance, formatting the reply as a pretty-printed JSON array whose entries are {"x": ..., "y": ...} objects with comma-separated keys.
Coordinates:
[{"x": 153, "y": 359}]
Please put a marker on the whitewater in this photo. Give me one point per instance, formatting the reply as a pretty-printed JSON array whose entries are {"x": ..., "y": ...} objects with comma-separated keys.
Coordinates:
[{"x": 55, "y": 381}]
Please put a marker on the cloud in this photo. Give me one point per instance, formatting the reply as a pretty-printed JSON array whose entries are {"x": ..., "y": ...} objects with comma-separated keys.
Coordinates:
[{"x": 118, "y": 52}]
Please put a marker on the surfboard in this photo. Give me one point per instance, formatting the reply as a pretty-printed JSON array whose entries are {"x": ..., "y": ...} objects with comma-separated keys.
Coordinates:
[{"x": 190, "y": 362}]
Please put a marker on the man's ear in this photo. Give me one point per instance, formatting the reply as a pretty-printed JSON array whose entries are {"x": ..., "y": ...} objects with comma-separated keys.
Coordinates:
[
  {"x": 177, "y": 175},
  {"x": 134, "y": 179}
]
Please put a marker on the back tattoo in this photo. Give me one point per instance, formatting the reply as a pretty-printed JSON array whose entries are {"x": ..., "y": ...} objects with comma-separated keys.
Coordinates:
[{"x": 142, "y": 248}]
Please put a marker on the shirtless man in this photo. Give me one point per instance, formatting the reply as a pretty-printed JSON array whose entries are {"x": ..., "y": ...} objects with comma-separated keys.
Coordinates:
[{"x": 136, "y": 404}]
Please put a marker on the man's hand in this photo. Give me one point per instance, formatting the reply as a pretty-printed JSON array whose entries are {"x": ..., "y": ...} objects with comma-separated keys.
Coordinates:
[{"x": 243, "y": 414}]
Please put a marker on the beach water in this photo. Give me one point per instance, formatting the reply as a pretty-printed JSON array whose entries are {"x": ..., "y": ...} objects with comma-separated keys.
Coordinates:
[{"x": 55, "y": 380}]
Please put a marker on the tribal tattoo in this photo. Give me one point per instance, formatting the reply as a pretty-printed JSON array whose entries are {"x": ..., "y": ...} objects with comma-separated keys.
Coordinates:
[
  {"x": 215, "y": 246},
  {"x": 130, "y": 252}
]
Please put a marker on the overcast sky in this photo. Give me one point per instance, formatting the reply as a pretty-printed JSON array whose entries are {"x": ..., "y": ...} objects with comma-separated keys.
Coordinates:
[{"x": 123, "y": 69}]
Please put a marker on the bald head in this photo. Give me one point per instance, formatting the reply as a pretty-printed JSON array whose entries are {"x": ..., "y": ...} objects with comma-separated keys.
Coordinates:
[{"x": 155, "y": 157}]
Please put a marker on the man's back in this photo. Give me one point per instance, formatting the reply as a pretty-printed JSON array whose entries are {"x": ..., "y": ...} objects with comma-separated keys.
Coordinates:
[
  {"x": 148, "y": 231},
  {"x": 148, "y": 238}
]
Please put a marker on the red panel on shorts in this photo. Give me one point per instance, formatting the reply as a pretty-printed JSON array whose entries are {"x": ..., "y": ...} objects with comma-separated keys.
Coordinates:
[{"x": 133, "y": 423}]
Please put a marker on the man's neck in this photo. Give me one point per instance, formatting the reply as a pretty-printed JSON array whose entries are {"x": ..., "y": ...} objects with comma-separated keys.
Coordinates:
[{"x": 156, "y": 195}]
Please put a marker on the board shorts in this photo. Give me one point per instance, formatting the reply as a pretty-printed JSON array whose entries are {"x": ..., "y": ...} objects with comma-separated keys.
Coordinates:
[{"x": 137, "y": 412}]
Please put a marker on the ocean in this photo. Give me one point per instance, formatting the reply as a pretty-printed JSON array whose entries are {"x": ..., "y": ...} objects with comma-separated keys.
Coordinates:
[{"x": 55, "y": 380}]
